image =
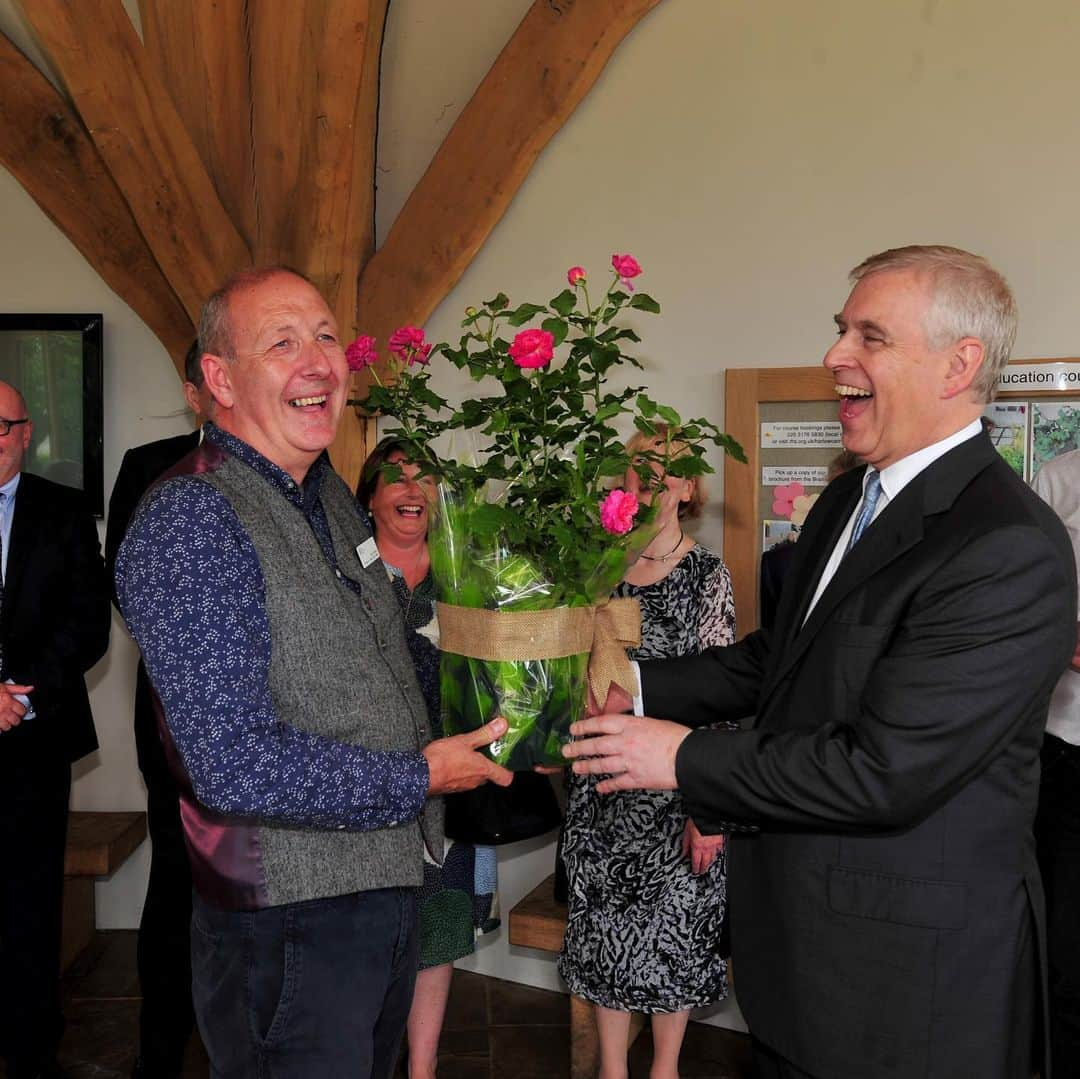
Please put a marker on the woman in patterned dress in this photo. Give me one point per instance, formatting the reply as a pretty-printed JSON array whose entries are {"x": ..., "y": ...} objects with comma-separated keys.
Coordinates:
[
  {"x": 456, "y": 898},
  {"x": 647, "y": 892}
]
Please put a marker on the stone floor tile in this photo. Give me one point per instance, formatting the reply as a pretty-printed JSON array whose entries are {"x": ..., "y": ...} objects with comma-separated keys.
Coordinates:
[
  {"x": 522, "y": 1005},
  {"x": 529, "y": 1052},
  {"x": 468, "y": 1004}
]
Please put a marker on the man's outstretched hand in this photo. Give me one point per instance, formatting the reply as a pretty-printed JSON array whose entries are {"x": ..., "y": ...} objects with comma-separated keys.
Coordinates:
[
  {"x": 634, "y": 752},
  {"x": 456, "y": 763}
]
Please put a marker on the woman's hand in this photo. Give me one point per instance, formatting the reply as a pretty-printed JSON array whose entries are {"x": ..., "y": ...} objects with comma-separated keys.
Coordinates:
[{"x": 700, "y": 849}]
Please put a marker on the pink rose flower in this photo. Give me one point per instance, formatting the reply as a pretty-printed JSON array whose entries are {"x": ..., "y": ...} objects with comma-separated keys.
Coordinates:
[
  {"x": 617, "y": 511},
  {"x": 532, "y": 348},
  {"x": 408, "y": 344},
  {"x": 626, "y": 266},
  {"x": 574, "y": 275},
  {"x": 361, "y": 353}
]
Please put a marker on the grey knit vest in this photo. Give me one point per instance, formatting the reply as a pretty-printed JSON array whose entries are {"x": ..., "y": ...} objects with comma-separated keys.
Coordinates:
[{"x": 340, "y": 668}]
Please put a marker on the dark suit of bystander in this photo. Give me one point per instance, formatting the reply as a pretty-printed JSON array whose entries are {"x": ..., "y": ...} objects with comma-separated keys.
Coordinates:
[
  {"x": 54, "y": 627},
  {"x": 167, "y": 1016}
]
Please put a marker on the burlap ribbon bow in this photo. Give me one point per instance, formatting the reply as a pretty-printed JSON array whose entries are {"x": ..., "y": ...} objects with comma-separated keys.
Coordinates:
[{"x": 604, "y": 631}]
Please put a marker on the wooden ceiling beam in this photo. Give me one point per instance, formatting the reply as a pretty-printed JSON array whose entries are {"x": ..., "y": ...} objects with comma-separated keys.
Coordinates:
[
  {"x": 44, "y": 145},
  {"x": 547, "y": 67},
  {"x": 132, "y": 120},
  {"x": 315, "y": 72},
  {"x": 315, "y": 89},
  {"x": 200, "y": 49}
]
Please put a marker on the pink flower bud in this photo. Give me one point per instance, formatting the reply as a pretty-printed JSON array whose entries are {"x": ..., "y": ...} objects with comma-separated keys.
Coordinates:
[
  {"x": 361, "y": 353},
  {"x": 532, "y": 348},
  {"x": 617, "y": 511},
  {"x": 574, "y": 275}
]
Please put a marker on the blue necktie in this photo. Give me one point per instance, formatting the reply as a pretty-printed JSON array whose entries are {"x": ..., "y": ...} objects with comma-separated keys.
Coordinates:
[{"x": 866, "y": 510}]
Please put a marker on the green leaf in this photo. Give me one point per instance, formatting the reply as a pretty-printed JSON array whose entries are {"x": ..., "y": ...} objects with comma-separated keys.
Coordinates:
[
  {"x": 565, "y": 302},
  {"x": 522, "y": 314},
  {"x": 642, "y": 301},
  {"x": 669, "y": 415},
  {"x": 646, "y": 406},
  {"x": 557, "y": 328},
  {"x": 499, "y": 303}
]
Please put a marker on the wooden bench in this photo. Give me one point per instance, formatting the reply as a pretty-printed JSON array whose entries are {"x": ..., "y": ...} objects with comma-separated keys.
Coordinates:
[
  {"x": 97, "y": 845},
  {"x": 539, "y": 921}
]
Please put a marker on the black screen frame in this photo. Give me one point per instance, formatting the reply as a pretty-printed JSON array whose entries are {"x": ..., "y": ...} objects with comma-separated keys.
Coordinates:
[{"x": 90, "y": 327}]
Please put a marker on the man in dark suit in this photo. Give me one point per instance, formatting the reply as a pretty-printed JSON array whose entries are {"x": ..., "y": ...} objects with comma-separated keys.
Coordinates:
[
  {"x": 167, "y": 1017},
  {"x": 887, "y": 917},
  {"x": 54, "y": 626}
]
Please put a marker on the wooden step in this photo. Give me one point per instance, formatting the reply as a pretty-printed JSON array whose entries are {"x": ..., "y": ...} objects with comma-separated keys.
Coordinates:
[
  {"x": 97, "y": 845},
  {"x": 538, "y": 920}
]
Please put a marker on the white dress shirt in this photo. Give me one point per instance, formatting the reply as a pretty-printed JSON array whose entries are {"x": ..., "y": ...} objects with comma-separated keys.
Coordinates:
[{"x": 7, "y": 512}]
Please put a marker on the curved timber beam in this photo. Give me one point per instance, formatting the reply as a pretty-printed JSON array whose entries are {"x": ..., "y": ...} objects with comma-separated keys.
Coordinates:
[
  {"x": 201, "y": 51},
  {"x": 44, "y": 145},
  {"x": 135, "y": 126},
  {"x": 315, "y": 89},
  {"x": 547, "y": 67}
]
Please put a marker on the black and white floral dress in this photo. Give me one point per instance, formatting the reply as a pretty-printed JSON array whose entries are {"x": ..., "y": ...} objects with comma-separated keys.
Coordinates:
[{"x": 643, "y": 932}]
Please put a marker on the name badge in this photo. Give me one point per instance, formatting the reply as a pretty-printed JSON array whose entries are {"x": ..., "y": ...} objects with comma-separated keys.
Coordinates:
[{"x": 367, "y": 552}]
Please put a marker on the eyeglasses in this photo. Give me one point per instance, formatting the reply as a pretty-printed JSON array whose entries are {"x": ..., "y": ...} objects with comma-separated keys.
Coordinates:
[{"x": 6, "y": 425}]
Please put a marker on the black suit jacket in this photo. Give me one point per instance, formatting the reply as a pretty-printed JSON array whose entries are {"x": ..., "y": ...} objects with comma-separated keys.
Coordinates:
[
  {"x": 886, "y": 920},
  {"x": 55, "y": 620},
  {"x": 141, "y": 466}
]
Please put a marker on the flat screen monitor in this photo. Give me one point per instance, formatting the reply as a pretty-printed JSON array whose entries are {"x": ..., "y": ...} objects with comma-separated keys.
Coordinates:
[{"x": 56, "y": 363}]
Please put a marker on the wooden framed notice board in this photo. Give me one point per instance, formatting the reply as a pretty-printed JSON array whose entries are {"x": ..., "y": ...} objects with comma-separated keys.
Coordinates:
[{"x": 786, "y": 420}]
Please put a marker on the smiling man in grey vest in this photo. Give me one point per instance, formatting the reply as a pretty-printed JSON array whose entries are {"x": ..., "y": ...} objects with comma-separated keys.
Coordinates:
[{"x": 289, "y": 708}]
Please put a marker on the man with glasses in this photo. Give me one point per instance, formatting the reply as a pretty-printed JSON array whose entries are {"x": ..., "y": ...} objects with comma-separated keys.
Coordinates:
[{"x": 54, "y": 626}]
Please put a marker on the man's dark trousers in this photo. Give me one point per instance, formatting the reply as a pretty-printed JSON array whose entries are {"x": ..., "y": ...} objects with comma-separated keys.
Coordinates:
[
  {"x": 167, "y": 1016},
  {"x": 1057, "y": 834},
  {"x": 320, "y": 988},
  {"x": 34, "y": 789}
]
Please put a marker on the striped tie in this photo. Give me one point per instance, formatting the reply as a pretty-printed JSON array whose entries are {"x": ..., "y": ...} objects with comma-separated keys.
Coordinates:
[{"x": 866, "y": 510}]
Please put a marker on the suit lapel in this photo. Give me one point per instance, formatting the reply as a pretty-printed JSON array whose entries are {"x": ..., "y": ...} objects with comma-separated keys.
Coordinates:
[
  {"x": 898, "y": 528},
  {"x": 833, "y": 513}
]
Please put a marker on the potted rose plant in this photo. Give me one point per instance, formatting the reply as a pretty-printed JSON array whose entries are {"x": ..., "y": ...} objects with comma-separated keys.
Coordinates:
[{"x": 529, "y": 538}]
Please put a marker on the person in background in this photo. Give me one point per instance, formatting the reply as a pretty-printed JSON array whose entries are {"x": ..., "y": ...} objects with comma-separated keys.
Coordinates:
[
  {"x": 1057, "y": 822},
  {"x": 54, "y": 626},
  {"x": 289, "y": 707},
  {"x": 646, "y": 890},
  {"x": 887, "y": 918},
  {"x": 456, "y": 898},
  {"x": 166, "y": 1014}
]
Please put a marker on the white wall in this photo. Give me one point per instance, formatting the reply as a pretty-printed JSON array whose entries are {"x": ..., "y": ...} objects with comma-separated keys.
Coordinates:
[{"x": 748, "y": 154}]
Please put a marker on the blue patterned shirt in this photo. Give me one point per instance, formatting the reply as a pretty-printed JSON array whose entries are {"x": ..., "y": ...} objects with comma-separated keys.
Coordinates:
[{"x": 191, "y": 590}]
